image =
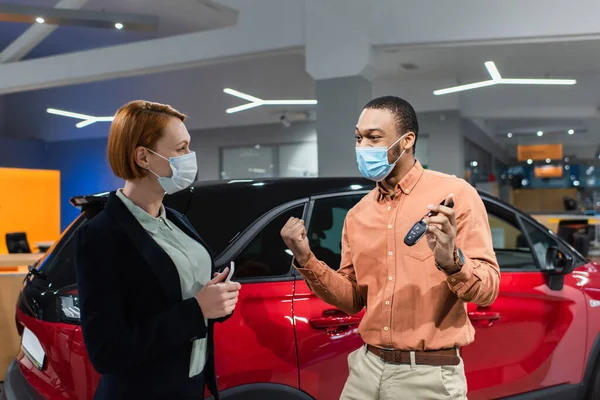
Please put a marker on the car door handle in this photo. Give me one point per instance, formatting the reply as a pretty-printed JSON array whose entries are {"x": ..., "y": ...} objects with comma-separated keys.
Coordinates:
[
  {"x": 334, "y": 321},
  {"x": 485, "y": 318}
]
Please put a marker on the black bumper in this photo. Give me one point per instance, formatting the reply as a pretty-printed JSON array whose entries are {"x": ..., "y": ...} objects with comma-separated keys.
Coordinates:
[{"x": 16, "y": 386}]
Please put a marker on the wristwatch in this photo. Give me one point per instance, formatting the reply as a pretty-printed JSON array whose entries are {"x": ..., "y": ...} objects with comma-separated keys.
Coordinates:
[{"x": 459, "y": 261}]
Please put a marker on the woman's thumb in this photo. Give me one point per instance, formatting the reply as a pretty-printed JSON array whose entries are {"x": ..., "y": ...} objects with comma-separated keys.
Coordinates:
[{"x": 220, "y": 277}]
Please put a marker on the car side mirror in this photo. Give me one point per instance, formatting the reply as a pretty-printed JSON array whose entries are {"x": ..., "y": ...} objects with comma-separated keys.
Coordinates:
[{"x": 557, "y": 265}]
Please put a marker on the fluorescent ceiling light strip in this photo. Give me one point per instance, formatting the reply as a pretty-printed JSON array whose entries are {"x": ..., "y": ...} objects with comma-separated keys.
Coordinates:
[
  {"x": 256, "y": 102},
  {"x": 497, "y": 79},
  {"x": 538, "y": 81},
  {"x": 85, "y": 123},
  {"x": 288, "y": 102},
  {"x": 242, "y": 107},
  {"x": 69, "y": 114},
  {"x": 493, "y": 71},
  {"x": 242, "y": 95},
  {"x": 461, "y": 88},
  {"x": 86, "y": 119}
]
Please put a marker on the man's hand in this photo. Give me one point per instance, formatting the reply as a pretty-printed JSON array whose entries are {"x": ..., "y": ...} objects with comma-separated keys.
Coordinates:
[
  {"x": 294, "y": 236},
  {"x": 217, "y": 298},
  {"x": 441, "y": 234}
]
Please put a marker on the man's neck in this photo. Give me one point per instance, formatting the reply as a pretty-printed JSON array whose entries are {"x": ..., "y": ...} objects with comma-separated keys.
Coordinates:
[
  {"x": 398, "y": 173},
  {"x": 144, "y": 195}
]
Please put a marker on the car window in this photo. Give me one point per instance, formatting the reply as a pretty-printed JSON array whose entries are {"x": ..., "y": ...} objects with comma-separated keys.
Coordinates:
[
  {"x": 540, "y": 241},
  {"x": 326, "y": 225},
  {"x": 510, "y": 243},
  {"x": 59, "y": 265},
  {"x": 267, "y": 255}
]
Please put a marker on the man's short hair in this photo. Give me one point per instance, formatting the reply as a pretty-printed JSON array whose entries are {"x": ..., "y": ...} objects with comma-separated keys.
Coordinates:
[{"x": 404, "y": 114}]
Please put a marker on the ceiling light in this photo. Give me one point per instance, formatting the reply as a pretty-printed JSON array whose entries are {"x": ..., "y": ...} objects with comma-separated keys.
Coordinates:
[
  {"x": 493, "y": 71},
  {"x": 119, "y": 25},
  {"x": 509, "y": 135},
  {"x": 474, "y": 163},
  {"x": 497, "y": 79},
  {"x": 540, "y": 133},
  {"x": 85, "y": 119},
  {"x": 530, "y": 161},
  {"x": 571, "y": 132},
  {"x": 44, "y": 12},
  {"x": 256, "y": 102},
  {"x": 548, "y": 161}
]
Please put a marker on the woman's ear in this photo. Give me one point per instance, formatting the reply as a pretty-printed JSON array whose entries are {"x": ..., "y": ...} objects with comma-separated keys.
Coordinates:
[{"x": 141, "y": 157}]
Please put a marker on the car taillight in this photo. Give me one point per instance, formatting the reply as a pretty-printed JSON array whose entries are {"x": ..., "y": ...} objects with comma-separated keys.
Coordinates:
[{"x": 69, "y": 308}]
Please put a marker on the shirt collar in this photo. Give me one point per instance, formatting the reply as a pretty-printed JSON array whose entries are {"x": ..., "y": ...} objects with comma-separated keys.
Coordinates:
[
  {"x": 148, "y": 222},
  {"x": 406, "y": 184}
]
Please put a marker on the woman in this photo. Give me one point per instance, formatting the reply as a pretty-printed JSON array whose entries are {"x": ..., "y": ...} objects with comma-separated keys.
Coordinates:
[{"x": 147, "y": 300}]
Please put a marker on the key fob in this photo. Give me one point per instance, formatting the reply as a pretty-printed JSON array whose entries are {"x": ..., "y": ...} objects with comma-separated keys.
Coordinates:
[{"x": 415, "y": 234}]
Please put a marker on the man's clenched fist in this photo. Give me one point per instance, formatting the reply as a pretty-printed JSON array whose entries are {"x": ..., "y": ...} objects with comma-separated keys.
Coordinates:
[{"x": 294, "y": 236}]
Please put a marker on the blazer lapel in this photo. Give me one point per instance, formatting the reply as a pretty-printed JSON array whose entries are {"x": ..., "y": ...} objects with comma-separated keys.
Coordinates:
[{"x": 157, "y": 259}]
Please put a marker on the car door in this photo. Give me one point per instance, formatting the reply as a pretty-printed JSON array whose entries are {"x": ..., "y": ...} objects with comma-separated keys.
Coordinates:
[
  {"x": 325, "y": 335},
  {"x": 524, "y": 339},
  {"x": 256, "y": 344}
]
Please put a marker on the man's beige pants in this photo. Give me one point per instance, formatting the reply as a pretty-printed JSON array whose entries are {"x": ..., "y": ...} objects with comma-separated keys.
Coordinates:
[{"x": 373, "y": 379}]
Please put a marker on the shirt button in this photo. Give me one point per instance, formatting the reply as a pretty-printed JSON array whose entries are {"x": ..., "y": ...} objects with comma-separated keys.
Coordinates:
[
  {"x": 390, "y": 278},
  {"x": 387, "y": 303},
  {"x": 453, "y": 280},
  {"x": 390, "y": 254},
  {"x": 385, "y": 328},
  {"x": 389, "y": 227}
]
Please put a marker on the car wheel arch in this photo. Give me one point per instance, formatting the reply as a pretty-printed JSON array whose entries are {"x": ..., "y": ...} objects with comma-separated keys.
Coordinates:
[{"x": 260, "y": 391}]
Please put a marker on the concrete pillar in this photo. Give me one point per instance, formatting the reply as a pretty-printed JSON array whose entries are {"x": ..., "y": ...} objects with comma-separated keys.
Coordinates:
[
  {"x": 446, "y": 142},
  {"x": 341, "y": 100}
]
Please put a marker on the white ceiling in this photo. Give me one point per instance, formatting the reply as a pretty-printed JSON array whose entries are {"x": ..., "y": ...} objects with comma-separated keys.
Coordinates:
[
  {"x": 175, "y": 17},
  {"x": 199, "y": 91},
  {"x": 529, "y": 60}
]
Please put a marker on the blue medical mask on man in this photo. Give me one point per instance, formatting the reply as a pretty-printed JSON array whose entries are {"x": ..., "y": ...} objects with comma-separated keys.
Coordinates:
[
  {"x": 184, "y": 170},
  {"x": 373, "y": 162}
]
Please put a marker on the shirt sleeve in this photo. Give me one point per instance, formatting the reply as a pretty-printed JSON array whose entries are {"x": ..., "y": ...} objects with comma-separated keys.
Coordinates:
[
  {"x": 478, "y": 281},
  {"x": 338, "y": 288}
]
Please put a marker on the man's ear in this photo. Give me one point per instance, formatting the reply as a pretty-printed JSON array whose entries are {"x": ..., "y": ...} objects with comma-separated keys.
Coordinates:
[{"x": 409, "y": 140}]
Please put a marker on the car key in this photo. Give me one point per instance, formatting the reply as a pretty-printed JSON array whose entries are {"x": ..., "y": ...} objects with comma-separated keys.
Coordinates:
[{"x": 418, "y": 229}]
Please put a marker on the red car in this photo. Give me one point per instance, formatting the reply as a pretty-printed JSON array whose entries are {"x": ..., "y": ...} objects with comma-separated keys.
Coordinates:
[{"x": 540, "y": 339}]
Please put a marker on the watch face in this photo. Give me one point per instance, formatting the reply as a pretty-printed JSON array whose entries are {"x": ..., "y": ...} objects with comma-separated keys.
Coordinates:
[{"x": 461, "y": 256}]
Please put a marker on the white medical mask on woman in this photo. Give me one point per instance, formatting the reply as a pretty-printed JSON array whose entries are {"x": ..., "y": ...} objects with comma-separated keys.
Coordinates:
[{"x": 184, "y": 170}]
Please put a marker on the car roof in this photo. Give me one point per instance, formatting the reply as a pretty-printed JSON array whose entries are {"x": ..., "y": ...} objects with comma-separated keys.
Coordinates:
[{"x": 276, "y": 190}]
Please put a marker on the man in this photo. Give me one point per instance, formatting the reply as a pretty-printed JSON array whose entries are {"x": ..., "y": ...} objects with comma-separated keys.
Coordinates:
[{"x": 416, "y": 296}]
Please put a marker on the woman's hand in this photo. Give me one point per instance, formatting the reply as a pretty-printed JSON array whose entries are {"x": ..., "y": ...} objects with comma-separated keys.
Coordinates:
[{"x": 218, "y": 298}]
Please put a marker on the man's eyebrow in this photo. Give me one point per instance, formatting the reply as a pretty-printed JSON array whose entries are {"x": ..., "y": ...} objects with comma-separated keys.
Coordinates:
[{"x": 369, "y": 130}]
